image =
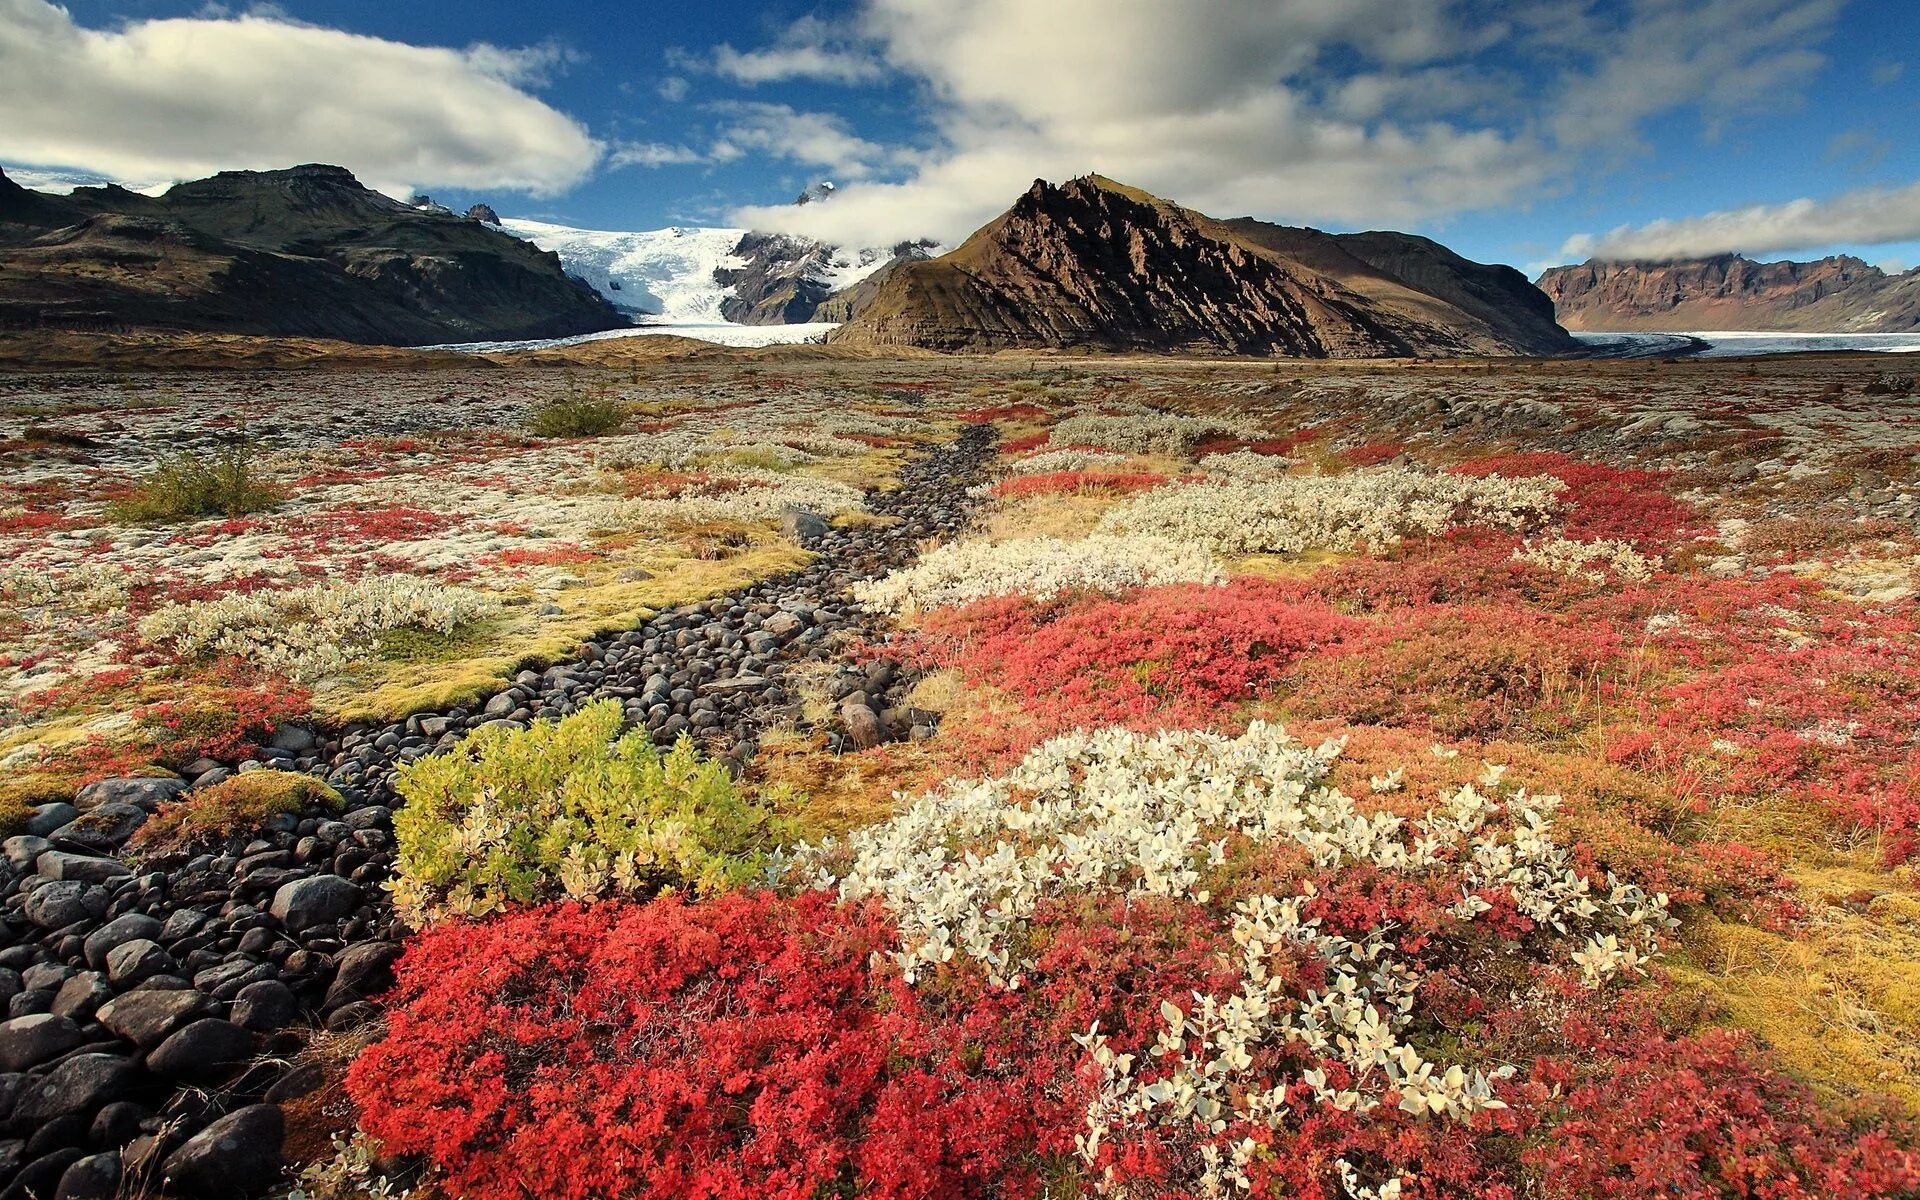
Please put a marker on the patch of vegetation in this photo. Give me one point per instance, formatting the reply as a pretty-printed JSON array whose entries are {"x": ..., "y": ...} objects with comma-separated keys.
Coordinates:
[
  {"x": 570, "y": 809},
  {"x": 187, "y": 484},
  {"x": 241, "y": 804},
  {"x": 411, "y": 644},
  {"x": 576, "y": 414}
]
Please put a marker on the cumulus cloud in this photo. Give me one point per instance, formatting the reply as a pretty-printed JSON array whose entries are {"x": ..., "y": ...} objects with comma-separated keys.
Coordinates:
[
  {"x": 1867, "y": 216},
  {"x": 181, "y": 98},
  {"x": 807, "y": 49},
  {"x": 1329, "y": 111},
  {"x": 812, "y": 138},
  {"x": 652, "y": 154}
]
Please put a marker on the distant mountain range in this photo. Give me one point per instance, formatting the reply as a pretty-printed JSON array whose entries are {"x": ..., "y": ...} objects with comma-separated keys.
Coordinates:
[
  {"x": 1728, "y": 292},
  {"x": 1095, "y": 265},
  {"x": 303, "y": 252}
]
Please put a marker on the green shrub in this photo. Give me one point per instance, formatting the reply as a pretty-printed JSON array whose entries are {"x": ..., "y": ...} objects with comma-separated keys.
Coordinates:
[
  {"x": 186, "y": 484},
  {"x": 576, "y": 414},
  {"x": 563, "y": 809},
  {"x": 240, "y": 804}
]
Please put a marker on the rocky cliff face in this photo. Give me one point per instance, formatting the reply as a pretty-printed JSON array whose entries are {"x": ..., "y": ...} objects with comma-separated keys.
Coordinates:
[
  {"x": 305, "y": 252},
  {"x": 791, "y": 280},
  {"x": 1093, "y": 264},
  {"x": 1833, "y": 295}
]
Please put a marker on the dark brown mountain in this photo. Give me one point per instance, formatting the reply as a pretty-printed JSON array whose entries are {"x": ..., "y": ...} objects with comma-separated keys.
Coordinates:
[
  {"x": 787, "y": 280},
  {"x": 1093, "y": 264},
  {"x": 1834, "y": 295},
  {"x": 304, "y": 252}
]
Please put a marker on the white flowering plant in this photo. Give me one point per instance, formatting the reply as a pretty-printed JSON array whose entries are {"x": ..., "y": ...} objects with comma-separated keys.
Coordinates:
[{"x": 1039, "y": 567}]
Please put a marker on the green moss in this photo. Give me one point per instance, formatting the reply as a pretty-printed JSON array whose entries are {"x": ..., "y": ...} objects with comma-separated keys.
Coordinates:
[
  {"x": 241, "y": 804},
  {"x": 568, "y": 809}
]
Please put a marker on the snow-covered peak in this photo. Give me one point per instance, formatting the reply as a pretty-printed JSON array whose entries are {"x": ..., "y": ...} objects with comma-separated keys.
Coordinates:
[{"x": 664, "y": 273}]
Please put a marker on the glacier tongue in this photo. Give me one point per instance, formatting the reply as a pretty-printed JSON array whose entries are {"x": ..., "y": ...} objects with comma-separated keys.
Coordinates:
[{"x": 663, "y": 273}]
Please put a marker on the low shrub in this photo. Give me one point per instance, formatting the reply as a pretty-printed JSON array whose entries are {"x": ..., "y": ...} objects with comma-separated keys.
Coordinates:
[
  {"x": 1076, "y": 483},
  {"x": 1176, "y": 654},
  {"x": 309, "y": 633},
  {"x": 239, "y": 805},
  {"x": 1039, "y": 567},
  {"x": 188, "y": 484},
  {"x": 1602, "y": 502},
  {"x": 569, "y": 808},
  {"x": 1473, "y": 672},
  {"x": 576, "y": 414}
]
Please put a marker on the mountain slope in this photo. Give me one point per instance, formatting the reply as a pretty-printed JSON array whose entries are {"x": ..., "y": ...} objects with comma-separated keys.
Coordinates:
[
  {"x": 1097, "y": 265},
  {"x": 304, "y": 252},
  {"x": 1833, "y": 295}
]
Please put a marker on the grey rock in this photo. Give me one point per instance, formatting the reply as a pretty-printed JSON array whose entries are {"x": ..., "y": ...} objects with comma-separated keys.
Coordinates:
[
  {"x": 48, "y": 817},
  {"x": 82, "y": 1082},
  {"x": 365, "y": 970},
  {"x": 95, "y": 1177},
  {"x": 266, "y": 1005},
  {"x": 102, "y": 828},
  {"x": 24, "y": 849},
  {"x": 802, "y": 526},
  {"x": 295, "y": 739},
  {"x": 59, "y": 904},
  {"x": 142, "y": 792},
  {"x": 315, "y": 900},
  {"x": 87, "y": 868},
  {"x": 237, "y": 1156},
  {"x": 142, "y": 958},
  {"x": 202, "y": 1051},
  {"x": 29, "y": 1041},
  {"x": 81, "y": 996},
  {"x": 119, "y": 931},
  {"x": 145, "y": 1017}
]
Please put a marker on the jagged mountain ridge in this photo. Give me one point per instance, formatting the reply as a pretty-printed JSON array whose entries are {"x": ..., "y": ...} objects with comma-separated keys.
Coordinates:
[
  {"x": 301, "y": 252},
  {"x": 1093, "y": 264},
  {"x": 1839, "y": 294}
]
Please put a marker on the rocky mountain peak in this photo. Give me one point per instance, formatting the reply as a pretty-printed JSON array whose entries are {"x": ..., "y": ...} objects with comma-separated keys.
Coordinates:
[{"x": 483, "y": 213}]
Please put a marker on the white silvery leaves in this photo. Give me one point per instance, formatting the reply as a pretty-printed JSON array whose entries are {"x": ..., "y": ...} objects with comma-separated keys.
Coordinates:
[
  {"x": 965, "y": 867},
  {"x": 1048, "y": 461},
  {"x": 309, "y": 633},
  {"x": 1040, "y": 567},
  {"x": 1146, "y": 432},
  {"x": 1371, "y": 508},
  {"x": 1595, "y": 561}
]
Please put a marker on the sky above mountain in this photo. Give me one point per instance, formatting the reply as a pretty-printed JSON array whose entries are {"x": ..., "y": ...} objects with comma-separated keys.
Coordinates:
[{"x": 1522, "y": 131}]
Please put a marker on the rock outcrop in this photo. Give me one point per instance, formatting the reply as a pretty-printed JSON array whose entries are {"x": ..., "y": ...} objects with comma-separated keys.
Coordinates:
[
  {"x": 304, "y": 252},
  {"x": 1095, "y": 265},
  {"x": 789, "y": 280},
  {"x": 1840, "y": 294}
]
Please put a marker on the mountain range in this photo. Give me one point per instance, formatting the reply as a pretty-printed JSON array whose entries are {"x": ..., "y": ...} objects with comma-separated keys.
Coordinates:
[
  {"x": 1840, "y": 294},
  {"x": 302, "y": 252},
  {"x": 1095, "y": 265}
]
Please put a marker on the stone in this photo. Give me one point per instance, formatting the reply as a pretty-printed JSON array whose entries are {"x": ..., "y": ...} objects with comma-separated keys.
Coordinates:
[
  {"x": 29, "y": 1041},
  {"x": 294, "y": 739},
  {"x": 141, "y": 791},
  {"x": 119, "y": 931},
  {"x": 87, "y": 868},
  {"x": 41, "y": 1177},
  {"x": 118, "y": 1123},
  {"x": 364, "y": 971},
  {"x": 147, "y": 1016},
  {"x": 315, "y": 900},
  {"x": 59, "y": 904},
  {"x": 236, "y": 1157},
  {"x": 202, "y": 1051},
  {"x": 266, "y": 1005},
  {"x": 23, "y": 850},
  {"x": 95, "y": 1177},
  {"x": 863, "y": 725},
  {"x": 131, "y": 962},
  {"x": 802, "y": 526},
  {"x": 101, "y": 829},
  {"x": 48, "y": 817},
  {"x": 79, "y": 1084},
  {"x": 81, "y": 996}
]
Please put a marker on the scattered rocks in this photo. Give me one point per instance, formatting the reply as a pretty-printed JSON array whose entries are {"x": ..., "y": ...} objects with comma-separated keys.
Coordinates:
[
  {"x": 28, "y": 1041},
  {"x": 237, "y": 1156},
  {"x": 314, "y": 900}
]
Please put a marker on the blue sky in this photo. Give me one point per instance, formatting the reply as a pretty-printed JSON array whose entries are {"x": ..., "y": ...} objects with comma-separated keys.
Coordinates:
[{"x": 1526, "y": 131}]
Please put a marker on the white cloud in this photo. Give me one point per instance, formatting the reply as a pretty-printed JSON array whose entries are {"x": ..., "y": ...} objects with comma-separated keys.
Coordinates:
[
  {"x": 1328, "y": 111},
  {"x": 652, "y": 154},
  {"x": 815, "y": 139},
  {"x": 807, "y": 49},
  {"x": 1867, "y": 216},
  {"x": 181, "y": 98}
]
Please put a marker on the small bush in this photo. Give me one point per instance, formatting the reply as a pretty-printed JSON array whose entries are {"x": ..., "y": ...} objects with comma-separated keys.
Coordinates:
[
  {"x": 576, "y": 415},
  {"x": 187, "y": 485},
  {"x": 564, "y": 810},
  {"x": 241, "y": 804}
]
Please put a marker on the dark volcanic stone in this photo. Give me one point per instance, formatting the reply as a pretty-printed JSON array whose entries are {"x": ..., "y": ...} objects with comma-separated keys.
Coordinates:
[
  {"x": 29, "y": 1041},
  {"x": 141, "y": 792},
  {"x": 82, "y": 1082},
  {"x": 314, "y": 901},
  {"x": 236, "y": 1157},
  {"x": 147, "y": 1016},
  {"x": 206, "y": 1050},
  {"x": 95, "y": 1177}
]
